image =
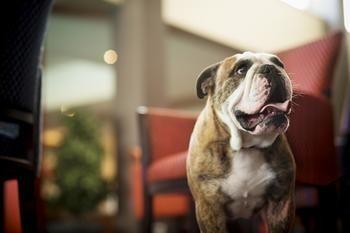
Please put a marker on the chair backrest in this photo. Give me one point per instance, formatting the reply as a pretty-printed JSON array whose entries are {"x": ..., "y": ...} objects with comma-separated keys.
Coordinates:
[
  {"x": 310, "y": 134},
  {"x": 20, "y": 86},
  {"x": 311, "y": 66},
  {"x": 164, "y": 132}
]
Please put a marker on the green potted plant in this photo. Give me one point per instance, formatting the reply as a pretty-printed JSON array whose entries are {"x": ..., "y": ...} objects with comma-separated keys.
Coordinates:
[{"x": 77, "y": 175}]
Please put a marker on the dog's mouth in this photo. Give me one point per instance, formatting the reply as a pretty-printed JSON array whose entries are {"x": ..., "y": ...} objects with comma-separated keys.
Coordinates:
[{"x": 272, "y": 113}]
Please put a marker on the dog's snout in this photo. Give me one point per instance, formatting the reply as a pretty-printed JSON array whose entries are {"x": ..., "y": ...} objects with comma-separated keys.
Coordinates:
[
  {"x": 278, "y": 91},
  {"x": 267, "y": 69}
]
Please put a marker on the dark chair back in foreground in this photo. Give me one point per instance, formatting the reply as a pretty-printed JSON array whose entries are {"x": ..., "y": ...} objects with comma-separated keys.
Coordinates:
[{"x": 20, "y": 102}]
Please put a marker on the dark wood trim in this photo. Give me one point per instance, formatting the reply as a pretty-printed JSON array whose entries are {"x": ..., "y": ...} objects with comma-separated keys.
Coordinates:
[{"x": 144, "y": 135}]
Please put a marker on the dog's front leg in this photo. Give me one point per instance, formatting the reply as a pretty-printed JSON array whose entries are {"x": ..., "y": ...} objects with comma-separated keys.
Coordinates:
[
  {"x": 210, "y": 218},
  {"x": 279, "y": 216}
]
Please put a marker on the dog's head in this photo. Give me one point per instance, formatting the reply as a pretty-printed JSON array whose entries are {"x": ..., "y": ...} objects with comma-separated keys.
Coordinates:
[{"x": 252, "y": 94}]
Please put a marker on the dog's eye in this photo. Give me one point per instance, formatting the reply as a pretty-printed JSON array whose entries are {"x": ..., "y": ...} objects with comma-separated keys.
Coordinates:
[{"x": 242, "y": 69}]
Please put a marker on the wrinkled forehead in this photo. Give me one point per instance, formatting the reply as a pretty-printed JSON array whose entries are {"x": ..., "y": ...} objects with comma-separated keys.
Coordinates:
[{"x": 255, "y": 58}]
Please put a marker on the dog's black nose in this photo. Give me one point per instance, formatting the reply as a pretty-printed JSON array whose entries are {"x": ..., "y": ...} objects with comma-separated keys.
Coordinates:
[{"x": 267, "y": 69}]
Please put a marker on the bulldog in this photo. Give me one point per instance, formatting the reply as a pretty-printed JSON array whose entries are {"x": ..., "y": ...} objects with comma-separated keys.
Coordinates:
[{"x": 239, "y": 163}]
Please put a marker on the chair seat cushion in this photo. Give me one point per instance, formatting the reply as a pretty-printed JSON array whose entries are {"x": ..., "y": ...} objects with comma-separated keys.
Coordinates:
[
  {"x": 170, "y": 205},
  {"x": 168, "y": 168},
  {"x": 164, "y": 205},
  {"x": 12, "y": 219}
]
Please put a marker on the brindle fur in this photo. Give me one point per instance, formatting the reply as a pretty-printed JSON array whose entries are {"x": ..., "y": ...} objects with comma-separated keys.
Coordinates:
[{"x": 210, "y": 161}]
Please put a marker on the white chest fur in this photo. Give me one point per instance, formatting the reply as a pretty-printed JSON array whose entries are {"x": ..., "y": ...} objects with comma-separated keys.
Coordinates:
[{"x": 247, "y": 182}]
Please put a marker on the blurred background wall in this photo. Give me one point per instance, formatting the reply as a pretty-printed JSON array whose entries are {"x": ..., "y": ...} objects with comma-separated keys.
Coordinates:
[{"x": 74, "y": 60}]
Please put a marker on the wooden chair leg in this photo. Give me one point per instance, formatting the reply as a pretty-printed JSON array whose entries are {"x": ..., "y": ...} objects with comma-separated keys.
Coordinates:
[
  {"x": 148, "y": 214},
  {"x": 327, "y": 215},
  {"x": 345, "y": 203},
  {"x": 193, "y": 226},
  {"x": 307, "y": 216},
  {"x": 28, "y": 204}
]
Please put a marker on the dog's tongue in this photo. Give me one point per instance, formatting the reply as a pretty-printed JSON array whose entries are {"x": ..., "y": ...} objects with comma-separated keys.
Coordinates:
[
  {"x": 250, "y": 121},
  {"x": 283, "y": 107}
]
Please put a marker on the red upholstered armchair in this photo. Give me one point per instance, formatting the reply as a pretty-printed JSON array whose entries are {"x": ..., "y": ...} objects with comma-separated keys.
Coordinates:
[
  {"x": 311, "y": 133},
  {"x": 162, "y": 191},
  {"x": 311, "y": 69},
  {"x": 165, "y": 136}
]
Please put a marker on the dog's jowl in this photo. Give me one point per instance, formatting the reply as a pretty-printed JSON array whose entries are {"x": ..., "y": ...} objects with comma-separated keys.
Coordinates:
[{"x": 240, "y": 165}]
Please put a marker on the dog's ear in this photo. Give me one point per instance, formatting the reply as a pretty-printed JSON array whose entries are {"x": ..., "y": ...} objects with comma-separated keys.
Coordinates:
[{"x": 205, "y": 80}]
